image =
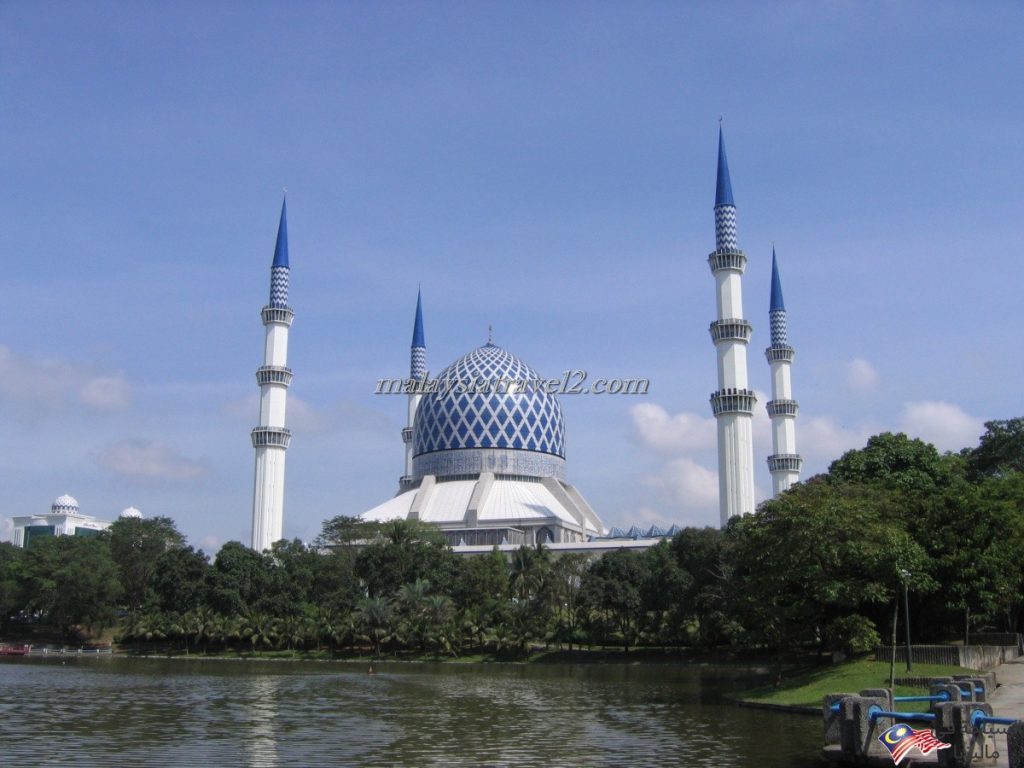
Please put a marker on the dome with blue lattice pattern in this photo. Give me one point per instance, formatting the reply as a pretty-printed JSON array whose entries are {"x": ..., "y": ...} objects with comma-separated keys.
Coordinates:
[{"x": 491, "y": 411}]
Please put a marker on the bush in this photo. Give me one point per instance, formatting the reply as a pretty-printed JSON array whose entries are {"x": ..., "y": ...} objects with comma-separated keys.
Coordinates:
[{"x": 852, "y": 635}]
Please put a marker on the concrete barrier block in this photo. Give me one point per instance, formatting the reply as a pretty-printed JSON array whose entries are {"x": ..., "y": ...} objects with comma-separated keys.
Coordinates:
[
  {"x": 848, "y": 725},
  {"x": 875, "y": 693},
  {"x": 833, "y": 720},
  {"x": 951, "y": 689},
  {"x": 866, "y": 730}
]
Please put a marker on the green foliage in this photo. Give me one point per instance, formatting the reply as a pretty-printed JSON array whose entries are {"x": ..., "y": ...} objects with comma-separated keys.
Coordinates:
[
  {"x": 612, "y": 592},
  {"x": 853, "y": 635},
  {"x": 71, "y": 581},
  {"x": 135, "y": 545},
  {"x": 11, "y": 559},
  {"x": 896, "y": 461},
  {"x": 819, "y": 567},
  {"x": 178, "y": 581},
  {"x": 403, "y": 551},
  {"x": 1000, "y": 450}
]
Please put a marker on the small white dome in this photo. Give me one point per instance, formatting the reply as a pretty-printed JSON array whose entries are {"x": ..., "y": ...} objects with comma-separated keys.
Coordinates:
[
  {"x": 131, "y": 512},
  {"x": 64, "y": 504}
]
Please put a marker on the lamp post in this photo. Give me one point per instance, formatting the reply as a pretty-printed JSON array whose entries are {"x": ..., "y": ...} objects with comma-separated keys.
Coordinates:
[{"x": 905, "y": 578}]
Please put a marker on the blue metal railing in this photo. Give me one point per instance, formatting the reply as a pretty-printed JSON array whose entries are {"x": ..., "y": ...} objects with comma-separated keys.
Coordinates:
[
  {"x": 876, "y": 713},
  {"x": 941, "y": 696},
  {"x": 979, "y": 719}
]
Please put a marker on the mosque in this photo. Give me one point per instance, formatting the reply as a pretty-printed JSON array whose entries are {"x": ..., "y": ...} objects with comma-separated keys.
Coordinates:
[{"x": 485, "y": 440}]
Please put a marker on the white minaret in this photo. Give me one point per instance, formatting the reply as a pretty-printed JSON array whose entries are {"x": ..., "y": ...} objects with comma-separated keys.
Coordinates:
[
  {"x": 785, "y": 462},
  {"x": 733, "y": 403},
  {"x": 417, "y": 372},
  {"x": 270, "y": 438}
]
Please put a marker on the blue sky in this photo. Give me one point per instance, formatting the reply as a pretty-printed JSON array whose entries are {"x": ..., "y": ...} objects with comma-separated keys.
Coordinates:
[{"x": 546, "y": 168}]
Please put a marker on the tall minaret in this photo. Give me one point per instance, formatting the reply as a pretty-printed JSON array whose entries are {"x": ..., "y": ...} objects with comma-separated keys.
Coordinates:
[
  {"x": 733, "y": 403},
  {"x": 784, "y": 463},
  {"x": 270, "y": 438},
  {"x": 417, "y": 372}
]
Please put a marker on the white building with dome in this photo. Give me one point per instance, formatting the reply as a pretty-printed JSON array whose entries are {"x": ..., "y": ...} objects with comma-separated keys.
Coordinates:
[
  {"x": 64, "y": 519},
  {"x": 485, "y": 455}
]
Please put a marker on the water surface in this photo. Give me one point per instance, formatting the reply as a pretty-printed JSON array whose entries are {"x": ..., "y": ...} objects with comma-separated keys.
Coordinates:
[{"x": 142, "y": 712}]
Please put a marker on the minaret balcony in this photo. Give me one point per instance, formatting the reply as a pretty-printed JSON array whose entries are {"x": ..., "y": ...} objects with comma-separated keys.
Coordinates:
[
  {"x": 780, "y": 354},
  {"x": 274, "y": 437},
  {"x": 278, "y": 315},
  {"x": 273, "y": 374},
  {"x": 730, "y": 329},
  {"x": 733, "y": 400},
  {"x": 727, "y": 258},
  {"x": 408, "y": 482},
  {"x": 782, "y": 408},
  {"x": 785, "y": 462},
  {"x": 407, "y": 434}
]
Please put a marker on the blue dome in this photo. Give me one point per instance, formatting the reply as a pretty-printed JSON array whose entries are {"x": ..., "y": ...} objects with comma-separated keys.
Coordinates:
[{"x": 488, "y": 417}]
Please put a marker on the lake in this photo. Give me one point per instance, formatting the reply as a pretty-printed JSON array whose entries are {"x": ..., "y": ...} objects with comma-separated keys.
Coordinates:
[{"x": 145, "y": 712}]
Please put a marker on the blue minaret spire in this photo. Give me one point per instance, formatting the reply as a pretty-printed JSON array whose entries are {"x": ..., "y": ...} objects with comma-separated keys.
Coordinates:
[
  {"x": 279, "y": 270},
  {"x": 417, "y": 372},
  {"x": 725, "y": 206},
  {"x": 784, "y": 463},
  {"x": 777, "y": 307},
  {"x": 418, "y": 362},
  {"x": 723, "y": 190}
]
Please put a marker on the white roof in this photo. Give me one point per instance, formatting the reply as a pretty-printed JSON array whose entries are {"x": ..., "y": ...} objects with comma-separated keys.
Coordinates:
[
  {"x": 519, "y": 501},
  {"x": 448, "y": 502},
  {"x": 512, "y": 502},
  {"x": 396, "y": 508}
]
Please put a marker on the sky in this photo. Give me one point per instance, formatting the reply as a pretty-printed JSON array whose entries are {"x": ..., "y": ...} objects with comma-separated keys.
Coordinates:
[{"x": 547, "y": 169}]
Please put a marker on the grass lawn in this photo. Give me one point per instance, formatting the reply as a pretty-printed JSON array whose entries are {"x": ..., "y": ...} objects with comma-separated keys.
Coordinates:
[{"x": 807, "y": 687}]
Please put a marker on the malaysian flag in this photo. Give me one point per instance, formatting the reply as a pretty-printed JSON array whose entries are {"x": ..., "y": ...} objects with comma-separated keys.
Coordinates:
[{"x": 900, "y": 739}]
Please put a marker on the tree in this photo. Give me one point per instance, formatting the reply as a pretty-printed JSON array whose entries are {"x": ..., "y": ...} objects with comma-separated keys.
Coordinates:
[
  {"x": 664, "y": 591},
  {"x": 1000, "y": 450},
  {"x": 701, "y": 554},
  {"x": 405, "y": 550},
  {"x": 179, "y": 579},
  {"x": 612, "y": 585},
  {"x": 239, "y": 579},
  {"x": 563, "y": 587},
  {"x": 135, "y": 545},
  {"x": 343, "y": 530},
  {"x": 72, "y": 581},
  {"x": 904, "y": 463},
  {"x": 11, "y": 558},
  {"x": 375, "y": 619}
]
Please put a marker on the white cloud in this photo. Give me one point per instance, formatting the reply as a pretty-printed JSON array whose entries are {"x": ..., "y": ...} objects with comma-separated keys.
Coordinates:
[
  {"x": 149, "y": 459},
  {"x": 820, "y": 440},
  {"x": 51, "y": 383},
  {"x": 107, "y": 392},
  {"x": 688, "y": 484},
  {"x": 944, "y": 425},
  {"x": 677, "y": 433},
  {"x": 6, "y": 529},
  {"x": 861, "y": 376}
]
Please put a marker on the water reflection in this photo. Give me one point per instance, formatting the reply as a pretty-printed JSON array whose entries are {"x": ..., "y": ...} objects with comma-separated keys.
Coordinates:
[
  {"x": 266, "y": 714},
  {"x": 261, "y": 744}
]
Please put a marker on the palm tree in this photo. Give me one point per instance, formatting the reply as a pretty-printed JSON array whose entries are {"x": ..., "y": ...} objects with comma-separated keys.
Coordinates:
[
  {"x": 375, "y": 618},
  {"x": 412, "y": 604},
  {"x": 259, "y": 629}
]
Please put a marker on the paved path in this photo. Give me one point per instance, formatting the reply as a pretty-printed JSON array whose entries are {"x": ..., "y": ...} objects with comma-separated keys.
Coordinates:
[{"x": 1008, "y": 701}]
